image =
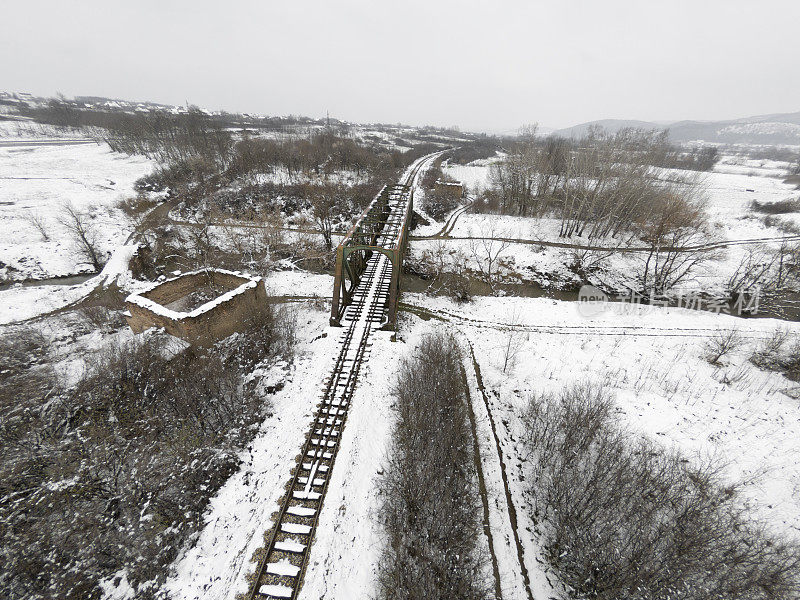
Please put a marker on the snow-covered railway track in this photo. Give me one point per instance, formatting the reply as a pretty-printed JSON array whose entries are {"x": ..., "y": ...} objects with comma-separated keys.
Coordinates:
[{"x": 283, "y": 560}]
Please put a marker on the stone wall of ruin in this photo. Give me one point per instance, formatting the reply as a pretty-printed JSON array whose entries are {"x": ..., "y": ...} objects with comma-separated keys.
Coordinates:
[{"x": 208, "y": 323}]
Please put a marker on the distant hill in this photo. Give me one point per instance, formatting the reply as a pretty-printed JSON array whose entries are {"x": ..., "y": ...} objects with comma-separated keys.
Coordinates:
[
  {"x": 612, "y": 125},
  {"x": 773, "y": 129}
]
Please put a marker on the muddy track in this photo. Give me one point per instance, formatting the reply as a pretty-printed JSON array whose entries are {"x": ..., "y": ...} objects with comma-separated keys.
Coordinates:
[
  {"x": 555, "y": 329},
  {"x": 448, "y": 226},
  {"x": 476, "y": 456},
  {"x": 621, "y": 249},
  {"x": 512, "y": 511}
]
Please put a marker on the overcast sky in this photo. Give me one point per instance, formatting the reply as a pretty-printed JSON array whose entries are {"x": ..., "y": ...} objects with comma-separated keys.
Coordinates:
[{"x": 480, "y": 65}]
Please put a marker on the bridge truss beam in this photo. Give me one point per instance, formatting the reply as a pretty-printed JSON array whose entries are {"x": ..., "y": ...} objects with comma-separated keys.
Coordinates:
[{"x": 381, "y": 228}]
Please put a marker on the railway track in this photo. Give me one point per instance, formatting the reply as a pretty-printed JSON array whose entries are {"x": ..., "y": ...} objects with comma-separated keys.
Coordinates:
[{"x": 283, "y": 560}]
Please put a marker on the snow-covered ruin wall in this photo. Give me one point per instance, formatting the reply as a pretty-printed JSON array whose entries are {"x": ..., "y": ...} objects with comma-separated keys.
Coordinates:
[
  {"x": 454, "y": 189},
  {"x": 241, "y": 297}
]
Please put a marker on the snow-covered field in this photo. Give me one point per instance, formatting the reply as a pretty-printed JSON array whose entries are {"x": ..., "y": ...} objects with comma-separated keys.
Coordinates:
[
  {"x": 652, "y": 360},
  {"x": 650, "y": 357},
  {"x": 25, "y": 131},
  {"x": 729, "y": 191},
  {"x": 40, "y": 181},
  {"x": 474, "y": 175}
]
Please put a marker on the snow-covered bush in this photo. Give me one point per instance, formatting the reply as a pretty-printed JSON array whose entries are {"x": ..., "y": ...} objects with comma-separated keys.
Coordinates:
[
  {"x": 779, "y": 353},
  {"x": 113, "y": 474},
  {"x": 721, "y": 344},
  {"x": 431, "y": 509},
  {"x": 781, "y": 207},
  {"x": 625, "y": 518},
  {"x": 439, "y": 204},
  {"x": 447, "y": 271},
  {"x": 795, "y": 168}
]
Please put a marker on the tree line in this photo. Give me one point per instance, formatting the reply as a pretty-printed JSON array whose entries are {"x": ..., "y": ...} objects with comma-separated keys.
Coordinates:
[{"x": 597, "y": 186}]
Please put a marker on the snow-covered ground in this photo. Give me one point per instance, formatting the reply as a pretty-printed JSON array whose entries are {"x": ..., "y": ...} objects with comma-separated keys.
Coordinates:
[
  {"x": 650, "y": 357},
  {"x": 22, "y": 302},
  {"x": 729, "y": 190},
  {"x": 40, "y": 181},
  {"x": 215, "y": 567},
  {"x": 25, "y": 131},
  {"x": 475, "y": 175},
  {"x": 652, "y": 360}
]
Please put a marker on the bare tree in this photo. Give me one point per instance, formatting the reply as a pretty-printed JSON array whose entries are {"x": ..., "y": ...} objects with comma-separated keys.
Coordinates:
[
  {"x": 487, "y": 250},
  {"x": 513, "y": 342},
  {"x": 83, "y": 232},
  {"x": 270, "y": 227},
  {"x": 674, "y": 229},
  {"x": 36, "y": 219},
  {"x": 326, "y": 204},
  {"x": 202, "y": 247},
  {"x": 759, "y": 267}
]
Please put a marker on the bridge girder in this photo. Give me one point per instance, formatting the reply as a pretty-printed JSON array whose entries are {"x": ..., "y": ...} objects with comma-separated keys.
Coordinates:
[{"x": 381, "y": 228}]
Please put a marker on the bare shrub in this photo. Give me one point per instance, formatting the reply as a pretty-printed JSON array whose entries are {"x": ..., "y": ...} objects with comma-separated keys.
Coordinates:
[
  {"x": 731, "y": 375},
  {"x": 256, "y": 242},
  {"x": 513, "y": 342},
  {"x": 269, "y": 333},
  {"x": 84, "y": 234},
  {"x": 28, "y": 386},
  {"x": 430, "y": 508},
  {"x": 481, "y": 148},
  {"x": 37, "y": 220},
  {"x": 136, "y": 206},
  {"x": 21, "y": 348},
  {"x": 722, "y": 343},
  {"x": 779, "y": 353},
  {"x": 458, "y": 285},
  {"x": 101, "y": 317},
  {"x": 587, "y": 261},
  {"x": 310, "y": 252},
  {"x": 791, "y": 362},
  {"x": 781, "y": 207},
  {"x": 627, "y": 519},
  {"x": 768, "y": 354},
  {"x": 169, "y": 138},
  {"x": 784, "y": 225},
  {"x": 448, "y": 271},
  {"x": 116, "y": 472},
  {"x": 438, "y": 204},
  {"x": 758, "y": 267}
]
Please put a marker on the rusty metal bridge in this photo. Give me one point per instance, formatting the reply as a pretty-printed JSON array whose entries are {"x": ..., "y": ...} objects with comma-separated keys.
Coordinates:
[{"x": 381, "y": 229}]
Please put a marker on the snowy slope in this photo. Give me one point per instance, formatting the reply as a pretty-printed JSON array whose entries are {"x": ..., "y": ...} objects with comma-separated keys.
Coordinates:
[{"x": 40, "y": 181}]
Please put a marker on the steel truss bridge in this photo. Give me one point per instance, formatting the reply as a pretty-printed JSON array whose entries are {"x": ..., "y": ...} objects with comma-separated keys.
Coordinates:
[{"x": 381, "y": 229}]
